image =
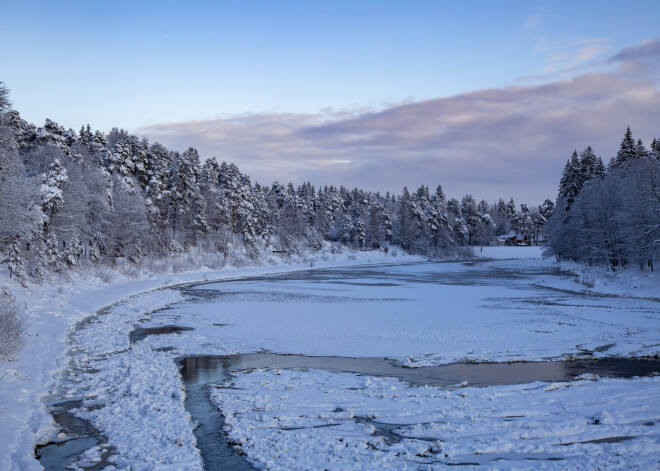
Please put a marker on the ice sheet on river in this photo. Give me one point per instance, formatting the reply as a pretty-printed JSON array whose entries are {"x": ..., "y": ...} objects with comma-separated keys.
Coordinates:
[
  {"x": 420, "y": 314},
  {"x": 295, "y": 420}
]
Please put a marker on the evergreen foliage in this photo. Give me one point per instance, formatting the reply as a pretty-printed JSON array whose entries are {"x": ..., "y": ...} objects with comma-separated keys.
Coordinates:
[
  {"x": 608, "y": 217},
  {"x": 71, "y": 198}
]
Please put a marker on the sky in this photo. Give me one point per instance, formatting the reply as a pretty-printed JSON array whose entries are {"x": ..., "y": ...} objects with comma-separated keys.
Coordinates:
[{"x": 483, "y": 97}]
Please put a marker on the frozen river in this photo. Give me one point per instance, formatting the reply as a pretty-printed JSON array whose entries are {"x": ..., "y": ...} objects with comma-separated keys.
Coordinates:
[{"x": 403, "y": 403}]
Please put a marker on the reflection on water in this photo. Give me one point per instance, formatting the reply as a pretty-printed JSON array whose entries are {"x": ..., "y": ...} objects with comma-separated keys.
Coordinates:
[
  {"x": 81, "y": 436},
  {"x": 140, "y": 333},
  {"x": 214, "y": 369},
  {"x": 217, "y": 453}
]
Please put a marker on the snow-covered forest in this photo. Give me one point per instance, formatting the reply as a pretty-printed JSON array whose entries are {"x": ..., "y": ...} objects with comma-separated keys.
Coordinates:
[
  {"x": 71, "y": 198},
  {"x": 609, "y": 216}
]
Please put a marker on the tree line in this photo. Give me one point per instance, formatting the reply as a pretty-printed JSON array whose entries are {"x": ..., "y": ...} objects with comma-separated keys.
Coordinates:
[
  {"x": 69, "y": 197},
  {"x": 609, "y": 215}
]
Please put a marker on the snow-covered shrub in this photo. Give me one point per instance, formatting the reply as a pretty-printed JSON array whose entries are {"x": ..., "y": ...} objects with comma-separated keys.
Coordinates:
[{"x": 12, "y": 326}]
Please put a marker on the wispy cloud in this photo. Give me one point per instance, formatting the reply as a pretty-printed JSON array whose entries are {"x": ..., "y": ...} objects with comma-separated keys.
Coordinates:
[
  {"x": 569, "y": 54},
  {"x": 491, "y": 143}
]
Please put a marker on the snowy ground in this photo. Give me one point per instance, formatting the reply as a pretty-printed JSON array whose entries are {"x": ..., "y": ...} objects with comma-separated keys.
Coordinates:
[
  {"x": 420, "y": 314},
  {"x": 53, "y": 311},
  {"x": 313, "y": 419}
]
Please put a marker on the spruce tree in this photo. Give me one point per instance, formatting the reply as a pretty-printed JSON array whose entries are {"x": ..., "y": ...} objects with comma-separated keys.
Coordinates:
[
  {"x": 571, "y": 180},
  {"x": 53, "y": 184},
  {"x": 73, "y": 251},
  {"x": 640, "y": 151},
  {"x": 588, "y": 165},
  {"x": 627, "y": 149},
  {"x": 655, "y": 149},
  {"x": 15, "y": 260}
]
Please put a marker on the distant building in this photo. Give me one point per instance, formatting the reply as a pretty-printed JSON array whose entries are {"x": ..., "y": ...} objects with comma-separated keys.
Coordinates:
[{"x": 513, "y": 239}]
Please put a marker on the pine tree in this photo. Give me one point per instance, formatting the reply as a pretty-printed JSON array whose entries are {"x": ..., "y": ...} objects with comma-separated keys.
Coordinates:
[
  {"x": 470, "y": 212},
  {"x": 15, "y": 260},
  {"x": 511, "y": 209},
  {"x": 140, "y": 158},
  {"x": 655, "y": 149},
  {"x": 454, "y": 207},
  {"x": 627, "y": 149},
  {"x": 52, "y": 253},
  {"x": 138, "y": 253},
  {"x": 346, "y": 229},
  {"x": 461, "y": 231},
  {"x": 38, "y": 264},
  {"x": 51, "y": 189},
  {"x": 640, "y": 150},
  {"x": 600, "y": 170},
  {"x": 73, "y": 251},
  {"x": 98, "y": 248},
  {"x": 406, "y": 220},
  {"x": 187, "y": 212},
  {"x": 85, "y": 135},
  {"x": 571, "y": 180},
  {"x": 588, "y": 165}
]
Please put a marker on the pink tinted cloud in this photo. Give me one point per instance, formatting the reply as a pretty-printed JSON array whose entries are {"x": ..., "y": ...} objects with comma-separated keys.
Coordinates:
[{"x": 491, "y": 143}]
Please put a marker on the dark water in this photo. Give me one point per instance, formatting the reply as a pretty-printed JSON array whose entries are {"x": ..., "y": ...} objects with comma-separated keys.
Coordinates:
[
  {"x": 140, "y": 333},
  {"x": 217, "y": 453},
  {"x": 199, "y": 372},
  {"x": 81, "y": 436},
  {"x": 214, "y": 369}
]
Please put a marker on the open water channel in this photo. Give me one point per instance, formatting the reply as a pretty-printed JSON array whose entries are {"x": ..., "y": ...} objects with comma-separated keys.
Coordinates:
[{"x": 262, "y": 315}]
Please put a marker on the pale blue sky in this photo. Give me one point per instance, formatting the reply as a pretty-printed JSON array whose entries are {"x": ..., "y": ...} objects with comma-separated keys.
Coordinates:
[
  {"x": 137, "y": 65},
  {"x": 129, "y": 63}
]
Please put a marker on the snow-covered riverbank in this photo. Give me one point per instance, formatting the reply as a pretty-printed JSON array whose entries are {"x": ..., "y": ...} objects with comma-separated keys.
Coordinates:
[
  {"x": 148, "y": 425},
  {"x": 54, "y": 309}
]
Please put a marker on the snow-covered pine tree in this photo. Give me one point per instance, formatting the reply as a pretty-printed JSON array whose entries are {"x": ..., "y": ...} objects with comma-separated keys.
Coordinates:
[
  {"x": 73, "y": 251},
  {"x": 627, "y": 149},
  {"x": 15, "y": 259},
  {"x": 98, "y": 248},
  {"x": 571, "y": 180},
  {"x": 53, "y": 182},
  {"x": 37, "y": 258},
  {"x": 470, "y": 212},
  {"x": 655, "y": 149},
  {"x": 640, "y": 151},
  {"x": 346, "y": 229},
  {"x": 52, "y": 253},
  {"x": 588, "y": 164},
  {"x": 187, "y": 211},
  {"x": 140, "y": 158}
]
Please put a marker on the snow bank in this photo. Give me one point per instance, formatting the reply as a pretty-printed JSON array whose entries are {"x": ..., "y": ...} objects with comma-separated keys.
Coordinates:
[
  {"x": 133, "y": 394},
  {"x": 54, "y": 309},
  {"x": 629, "y": 282},
  {"x": 506, "y": 252}
]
